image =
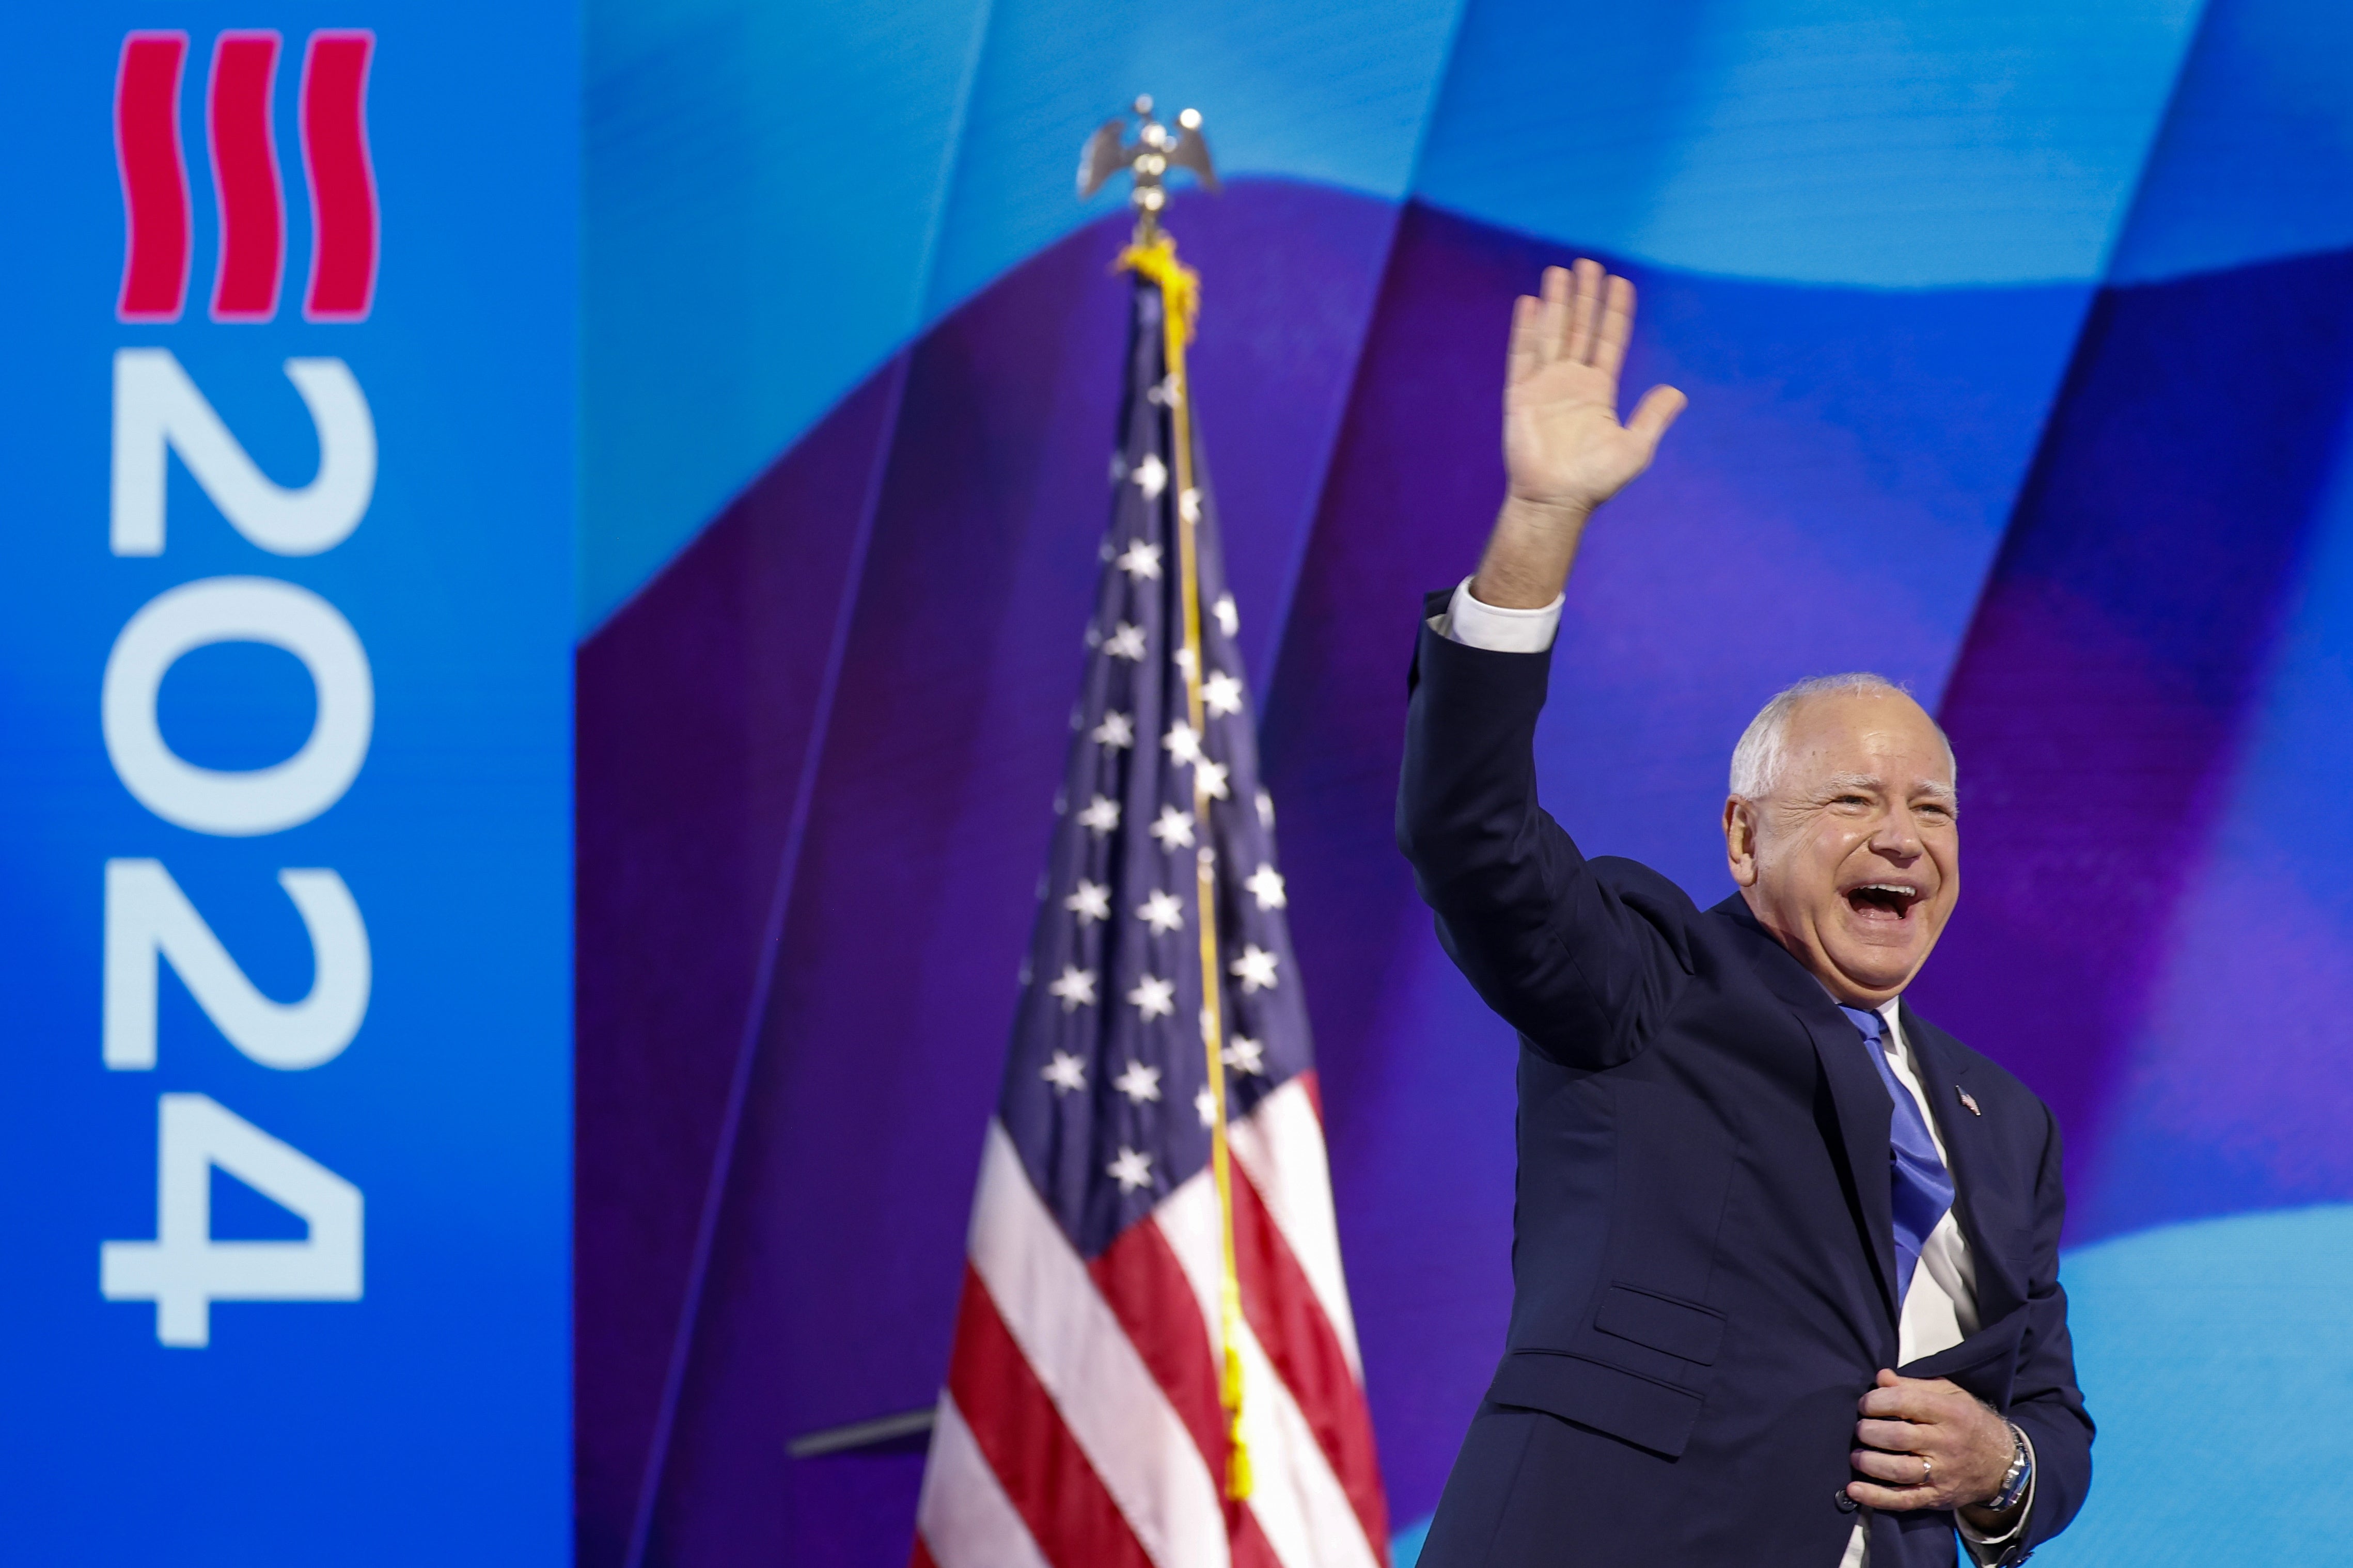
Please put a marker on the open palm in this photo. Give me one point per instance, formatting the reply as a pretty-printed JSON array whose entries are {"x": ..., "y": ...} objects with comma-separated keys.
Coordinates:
[{"x": 1563, "y": 444}]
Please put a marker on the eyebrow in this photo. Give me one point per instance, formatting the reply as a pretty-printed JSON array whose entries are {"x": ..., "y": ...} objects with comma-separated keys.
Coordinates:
[{"x": 1839, "y": 782}]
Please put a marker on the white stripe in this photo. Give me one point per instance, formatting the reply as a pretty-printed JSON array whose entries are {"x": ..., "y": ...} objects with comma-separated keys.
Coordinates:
[
  {"x": 1113, "y": 1407},
  {"x": 1298, "y": 1500},
  {"x": 965, "y": 1516},
  {"x": 1281, "y": 1144}
]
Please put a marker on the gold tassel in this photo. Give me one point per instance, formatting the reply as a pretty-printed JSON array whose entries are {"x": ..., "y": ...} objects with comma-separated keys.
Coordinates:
[{"x": 1180, "y": 286}]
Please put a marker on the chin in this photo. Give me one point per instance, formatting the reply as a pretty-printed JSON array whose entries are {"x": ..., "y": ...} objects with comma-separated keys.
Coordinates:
[
  {"x": 1877, "y": 965},
  {"x": 1874, "y": 968}
]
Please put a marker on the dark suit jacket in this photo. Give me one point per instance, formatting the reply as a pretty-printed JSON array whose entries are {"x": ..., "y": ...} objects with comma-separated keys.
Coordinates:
[{"x": 1703, "y": 1248}]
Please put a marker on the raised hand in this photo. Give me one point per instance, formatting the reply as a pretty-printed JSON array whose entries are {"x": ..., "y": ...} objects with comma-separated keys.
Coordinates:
[
  {"x": 1565, "y": 451},
  {"x": 1563, "y": 444}
]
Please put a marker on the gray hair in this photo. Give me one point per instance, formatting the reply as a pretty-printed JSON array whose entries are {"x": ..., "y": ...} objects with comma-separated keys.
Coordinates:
[{"x": 1758, "y": 760}]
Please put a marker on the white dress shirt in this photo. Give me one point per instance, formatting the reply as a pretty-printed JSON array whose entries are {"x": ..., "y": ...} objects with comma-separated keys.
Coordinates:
[{"x": 1940, "y": 1309}]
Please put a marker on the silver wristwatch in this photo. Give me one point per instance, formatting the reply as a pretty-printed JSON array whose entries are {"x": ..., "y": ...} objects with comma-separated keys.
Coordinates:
[{"x": 2015, "y": 1480}]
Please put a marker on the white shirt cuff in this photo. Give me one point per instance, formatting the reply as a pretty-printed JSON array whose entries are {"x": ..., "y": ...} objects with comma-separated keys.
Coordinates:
[{"x": 1495, "y": 629}]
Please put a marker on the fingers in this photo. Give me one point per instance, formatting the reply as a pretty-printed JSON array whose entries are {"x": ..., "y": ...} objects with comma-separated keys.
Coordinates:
[
  {"x": 1924, "y": 1443},
  {"x": 1901, "y": 1398},
  {"x": 1893, "y": 1499},
  {"x": 1894, "y": 1470},
  {"x": 1897, "y": 1480},
  {"x": 1520, "y": 363},
  {"x": 1658, "y": 409},
  {"x": 1617, "y": 325},
  {"x": 1552, "y": 335},
  {"x": 1895, "y": 1436},
  {"x": 1586, "y": 316},
  {"x": 1586, "y": 313}
]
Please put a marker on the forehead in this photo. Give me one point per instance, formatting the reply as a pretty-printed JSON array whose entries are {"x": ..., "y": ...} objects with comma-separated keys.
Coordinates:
[{"x": 1882, "y": 733}]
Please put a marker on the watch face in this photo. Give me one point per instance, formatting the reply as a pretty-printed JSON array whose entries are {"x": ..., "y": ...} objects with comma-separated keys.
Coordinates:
[{"x": 2013, "y": 1479}]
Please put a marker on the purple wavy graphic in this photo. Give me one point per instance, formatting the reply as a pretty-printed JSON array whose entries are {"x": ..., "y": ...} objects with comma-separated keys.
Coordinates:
[{"x": 818, "y": 756}]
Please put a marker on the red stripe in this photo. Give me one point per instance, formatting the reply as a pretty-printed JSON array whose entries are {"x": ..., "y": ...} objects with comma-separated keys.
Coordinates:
[
  {"x": 335, "y": 163},
  {"x": 922, "y": 1555},
  {"x": 1070, "y": 1514},
  {"x": 1147, "y": 1292},
  {"x": 1288, "y": 1320},
  {"x": 1246, "y": 1540},
  {"x": 244, "y": 176},
  {"x": 155, "y": 176}
]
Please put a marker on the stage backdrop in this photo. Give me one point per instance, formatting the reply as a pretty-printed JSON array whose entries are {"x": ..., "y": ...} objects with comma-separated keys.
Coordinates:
[
  {"x": 286, "y": 519},
  {"x": 2020, "y": 345},
  {"x": 373, "y": 375}
]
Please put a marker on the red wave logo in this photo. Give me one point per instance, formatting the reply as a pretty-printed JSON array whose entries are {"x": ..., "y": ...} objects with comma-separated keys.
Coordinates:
[
  {"x": 245, "y": 177},
  {"x": 155, "y": 176},
  {"x": 249, "y": 191},
  {"x": 342, "y": 181}
]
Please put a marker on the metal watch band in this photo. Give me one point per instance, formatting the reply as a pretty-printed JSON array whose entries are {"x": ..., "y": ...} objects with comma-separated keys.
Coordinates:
[{"x": 2014, "y": 1479}]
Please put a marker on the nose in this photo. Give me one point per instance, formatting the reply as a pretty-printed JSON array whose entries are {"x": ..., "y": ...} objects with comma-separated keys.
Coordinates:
[{"x": 1897, "y": 835}]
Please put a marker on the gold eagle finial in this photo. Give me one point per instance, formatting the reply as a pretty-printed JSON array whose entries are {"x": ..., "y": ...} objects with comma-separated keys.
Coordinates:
[{"x": 1156, "y": 150}]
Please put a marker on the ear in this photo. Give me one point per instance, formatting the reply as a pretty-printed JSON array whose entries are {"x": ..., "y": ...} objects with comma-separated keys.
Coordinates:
[{"x": 1740, "y": 839}]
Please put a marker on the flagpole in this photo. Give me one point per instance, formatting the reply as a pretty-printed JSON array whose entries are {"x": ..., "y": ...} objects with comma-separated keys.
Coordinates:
[
  {"x": 1152, "y": 254},
  {"x": 1153, "y": 257}
]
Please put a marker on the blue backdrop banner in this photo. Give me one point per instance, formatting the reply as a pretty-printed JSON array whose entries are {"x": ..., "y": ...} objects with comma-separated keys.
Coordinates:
[{"x": 285, "y": 761}]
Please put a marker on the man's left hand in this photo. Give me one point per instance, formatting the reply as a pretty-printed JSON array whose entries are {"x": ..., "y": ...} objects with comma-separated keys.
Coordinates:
[{"x": 1927, "y": 1443}]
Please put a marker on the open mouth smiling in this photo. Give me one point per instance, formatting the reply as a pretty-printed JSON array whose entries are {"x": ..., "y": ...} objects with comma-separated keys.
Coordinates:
[{"x": 1884, "y": 902}]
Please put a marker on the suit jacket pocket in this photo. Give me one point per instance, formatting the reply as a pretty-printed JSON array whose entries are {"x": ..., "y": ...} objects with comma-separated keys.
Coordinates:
[
  {"x": 1680, "y": 1327},
  {"x": 1642, "y": 1410},
  {"x": 1985, "y": 1363}
]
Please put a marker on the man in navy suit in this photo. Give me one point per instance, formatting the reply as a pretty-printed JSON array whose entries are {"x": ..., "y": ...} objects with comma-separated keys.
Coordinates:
[{"x": 1786, "y": 1253}]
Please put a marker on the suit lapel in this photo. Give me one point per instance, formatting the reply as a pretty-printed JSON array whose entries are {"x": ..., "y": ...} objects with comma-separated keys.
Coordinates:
[
  {"x": 1982, "y": 1200},
  {"x": 1865, "y": 1113},
  {"x": 1859, "y": 1097}
]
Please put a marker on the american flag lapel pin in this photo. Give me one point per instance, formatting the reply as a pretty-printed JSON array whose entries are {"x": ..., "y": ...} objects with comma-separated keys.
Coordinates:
[{"x": 1968, "y": 1103}]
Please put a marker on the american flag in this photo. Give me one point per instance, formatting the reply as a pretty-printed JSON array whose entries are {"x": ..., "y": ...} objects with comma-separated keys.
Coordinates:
[{"x": 1118, "y": 1293}]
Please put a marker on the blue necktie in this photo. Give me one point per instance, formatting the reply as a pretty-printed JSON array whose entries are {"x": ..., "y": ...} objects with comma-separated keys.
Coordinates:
[{"x": 1923, "y": 1188}]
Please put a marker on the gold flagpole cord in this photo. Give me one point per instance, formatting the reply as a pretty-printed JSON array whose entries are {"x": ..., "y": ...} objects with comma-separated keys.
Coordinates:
[{"x": 1181, "y": 292}]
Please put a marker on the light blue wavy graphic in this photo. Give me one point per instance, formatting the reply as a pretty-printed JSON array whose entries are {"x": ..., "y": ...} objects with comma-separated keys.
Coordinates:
[
  {"x": 2215, "y": 1357},
  {"x": 778, "y": 198}
]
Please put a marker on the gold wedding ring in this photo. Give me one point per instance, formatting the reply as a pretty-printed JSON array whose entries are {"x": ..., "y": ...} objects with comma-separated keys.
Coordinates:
[{"x": 1927, "y": 1469}]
